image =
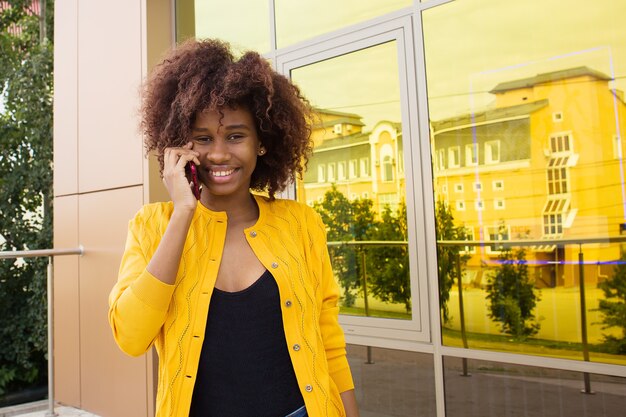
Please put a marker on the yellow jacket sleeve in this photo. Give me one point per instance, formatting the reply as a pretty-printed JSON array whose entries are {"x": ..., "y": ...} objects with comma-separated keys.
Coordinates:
[{"x": 138, "y": 303}]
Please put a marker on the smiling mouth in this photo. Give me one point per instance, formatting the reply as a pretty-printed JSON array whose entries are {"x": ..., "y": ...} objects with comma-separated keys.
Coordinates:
[{"x": 222, "y": 173}]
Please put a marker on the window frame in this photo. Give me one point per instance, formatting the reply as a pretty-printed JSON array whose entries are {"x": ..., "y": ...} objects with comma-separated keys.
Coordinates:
[{"x": 375, "y": 331}]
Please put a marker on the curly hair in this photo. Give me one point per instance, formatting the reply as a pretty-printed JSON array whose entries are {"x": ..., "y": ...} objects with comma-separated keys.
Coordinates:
[{"x": 205, "y": 76}]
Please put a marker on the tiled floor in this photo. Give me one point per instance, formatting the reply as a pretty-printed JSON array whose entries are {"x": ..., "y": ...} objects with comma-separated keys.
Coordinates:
[
  {"x": 40, "y": 409},
  {"x": 61, "y": 412}
]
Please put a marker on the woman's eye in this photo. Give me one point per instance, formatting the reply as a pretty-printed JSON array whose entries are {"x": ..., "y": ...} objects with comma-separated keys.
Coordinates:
[
  {"x": 202, "y": 139},
  {"x": 235, "y": 137}
]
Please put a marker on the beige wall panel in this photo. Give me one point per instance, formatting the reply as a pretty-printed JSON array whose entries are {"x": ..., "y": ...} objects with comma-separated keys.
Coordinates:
[
  {"x": 109, "y": 76},
  {"x": 113, "y": 384},
  {"x": 65, "y": 98},
  {"x": 66, "y": 303}
]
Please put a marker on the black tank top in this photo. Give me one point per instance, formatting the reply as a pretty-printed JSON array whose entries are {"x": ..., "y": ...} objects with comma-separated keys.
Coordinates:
[{"x": 245, "y": 369}]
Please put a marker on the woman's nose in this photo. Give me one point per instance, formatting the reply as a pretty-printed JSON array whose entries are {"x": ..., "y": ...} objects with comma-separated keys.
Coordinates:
[{"x": 218, "y": 152}]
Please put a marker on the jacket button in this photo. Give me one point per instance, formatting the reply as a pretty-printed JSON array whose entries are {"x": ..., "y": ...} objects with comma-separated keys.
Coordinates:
[
  {"x": 274, "y": 265},
  {"x": 288, "y": 303},
  {"x": 296, "y": 347},
  {"x": 253, "y": 234},
  {"x": 308, "y": 388}
]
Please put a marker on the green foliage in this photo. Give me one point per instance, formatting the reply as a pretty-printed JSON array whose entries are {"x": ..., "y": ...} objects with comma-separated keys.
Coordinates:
[
  {"x": 346, "y": 221},
  {"x": 25, "y": 194},
  {"x": 447, "y": 256},
  {"x": 613, "y": 307},
  {"x": 512, "y": 296},
  {"x": 388, "y": 266}
]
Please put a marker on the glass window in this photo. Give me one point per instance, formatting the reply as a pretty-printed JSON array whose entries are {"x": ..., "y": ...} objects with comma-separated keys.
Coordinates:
[
  {"x": 375, "y": 277},
  {"x": 495, "y": 389},
  {"x": 321, "y": 173},
  {"x": 341, "y": 170},
  {"x": 210, "y": 19},
  {"x": 454, "y": 157},
  {"x": 300, "y": 20},
  {"x": 364, "y": 167},
  {"x": 331, "y": 172},
  {"x": 544, "y": 104},
  {"x": 408, "y": 389},
  {"x": 352, "y": 171},
  {"x": 471, "y": 154},
  {"x": 492, "y": 152},
  {"x": 387, "y": 168}
]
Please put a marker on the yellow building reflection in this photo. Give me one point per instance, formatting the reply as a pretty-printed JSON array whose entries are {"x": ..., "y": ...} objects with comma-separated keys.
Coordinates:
[
  {"x": 360, "y": 164},
  {"x": 535, "y": 166}
]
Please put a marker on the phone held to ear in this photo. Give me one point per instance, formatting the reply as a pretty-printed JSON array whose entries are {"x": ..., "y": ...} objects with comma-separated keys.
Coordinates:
[{"x": 192, "y": 174}]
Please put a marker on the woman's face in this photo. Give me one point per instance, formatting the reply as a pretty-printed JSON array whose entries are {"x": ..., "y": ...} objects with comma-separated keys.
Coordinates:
[{"x": 229, "y": 146}]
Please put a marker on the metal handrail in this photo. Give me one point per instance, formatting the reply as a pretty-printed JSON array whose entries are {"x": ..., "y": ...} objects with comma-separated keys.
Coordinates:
[
  {"x": 50, "y": 253},
  {"x": 534, "y": 242}
]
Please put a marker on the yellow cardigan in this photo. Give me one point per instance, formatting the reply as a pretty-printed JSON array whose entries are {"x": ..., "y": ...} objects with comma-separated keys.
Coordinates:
[{"x": 290, "y": 241}]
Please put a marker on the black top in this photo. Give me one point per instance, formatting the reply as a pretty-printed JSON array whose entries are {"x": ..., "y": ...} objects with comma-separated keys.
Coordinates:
[{"x": 245, "y": 369}]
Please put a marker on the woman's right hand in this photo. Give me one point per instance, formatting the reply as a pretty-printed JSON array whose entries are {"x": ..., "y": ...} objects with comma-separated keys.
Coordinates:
[{"x": 175, "y": 179}]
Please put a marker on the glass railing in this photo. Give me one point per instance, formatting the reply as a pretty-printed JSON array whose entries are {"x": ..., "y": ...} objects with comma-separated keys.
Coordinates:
[
  {"x": 50, "y": 254},
  {"x": 558, "y": 298}
]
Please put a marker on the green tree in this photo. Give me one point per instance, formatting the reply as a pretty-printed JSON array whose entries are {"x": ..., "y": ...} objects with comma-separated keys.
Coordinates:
[
  {"x": 346, "y": 221},
  {"x": 613, "y": 307},
  {"x": 25, "y": 191},
  {"x": 388, "y": 269},
  {"x": 447, "y": 271},
  {"x": 512, "y": 296}
]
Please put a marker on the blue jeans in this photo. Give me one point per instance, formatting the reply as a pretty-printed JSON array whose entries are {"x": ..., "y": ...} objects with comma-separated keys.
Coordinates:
[{"x": 300, "y": 412}]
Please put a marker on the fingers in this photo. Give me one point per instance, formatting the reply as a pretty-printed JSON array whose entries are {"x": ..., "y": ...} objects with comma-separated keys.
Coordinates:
[{"x": 174, "y": 158}]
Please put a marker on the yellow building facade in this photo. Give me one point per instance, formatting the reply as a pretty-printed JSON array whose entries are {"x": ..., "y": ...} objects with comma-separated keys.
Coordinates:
[
  {"x": 360, "y": 164},
  {"x": 533, "y": 167}
]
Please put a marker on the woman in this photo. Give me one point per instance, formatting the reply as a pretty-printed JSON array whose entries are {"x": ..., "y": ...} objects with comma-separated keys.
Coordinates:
[{"x": 234, "y": 290}]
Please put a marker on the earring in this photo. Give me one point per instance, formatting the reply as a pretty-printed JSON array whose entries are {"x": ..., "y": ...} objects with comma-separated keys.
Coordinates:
[{"x": 261, "y": 152}]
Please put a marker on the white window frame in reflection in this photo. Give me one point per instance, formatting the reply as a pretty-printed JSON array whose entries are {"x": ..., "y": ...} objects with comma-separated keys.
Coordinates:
[
  {"x": 365, "y": 170},
  {"x": 460, "y": 205},
  {"x": 557, "y": 117},
  {"x": 492, "y": 152},
  {"x": 321, "y": 173},
  {"x": 459, "y": 188},
  {"x": 498, "y": 204},
  {"x": 454, "y": 157},
  {"x": 332, "y": 172},
  {"x": 387, "y": 169},
  {"x": 441, "y": 159},
  {"x": 341, "y": 171},
  {"x": 352, "y": 172},
  {"x": 497, "y": 185},
  {"x": 471, "y": 154}
]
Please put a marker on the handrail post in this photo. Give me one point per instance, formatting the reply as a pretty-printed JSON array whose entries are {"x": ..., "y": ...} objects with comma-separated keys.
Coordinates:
[
  {"x": 583, "y": 317},
  {"x": 461, "y": 310},
  {"x": 50, "y": 297},
  {"x": 365, "y": 301}
]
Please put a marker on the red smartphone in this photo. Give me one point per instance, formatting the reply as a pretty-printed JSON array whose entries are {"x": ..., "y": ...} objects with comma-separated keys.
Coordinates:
[{"x": 192, "y": 174}]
